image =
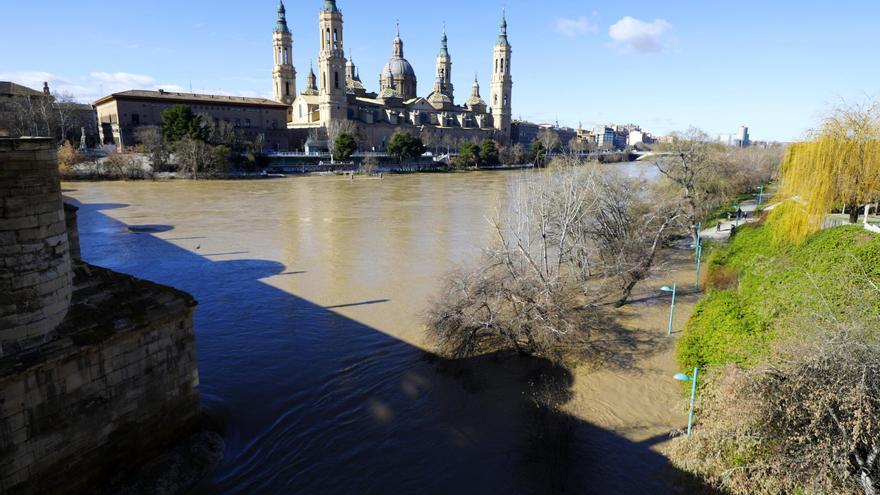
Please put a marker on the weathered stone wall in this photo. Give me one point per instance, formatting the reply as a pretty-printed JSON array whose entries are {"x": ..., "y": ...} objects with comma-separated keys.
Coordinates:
[
  {"x": 35, "y": 284},
  {"x": 72, "y": 231},
  {"x": 116, "y": 387}
]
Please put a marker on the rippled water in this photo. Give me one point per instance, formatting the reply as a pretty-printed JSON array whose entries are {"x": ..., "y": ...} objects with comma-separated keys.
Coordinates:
[{"x": 309, "y": 332}]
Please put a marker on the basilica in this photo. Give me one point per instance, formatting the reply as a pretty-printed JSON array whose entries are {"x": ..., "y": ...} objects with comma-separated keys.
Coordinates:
[{"x": 337, "y": 94}]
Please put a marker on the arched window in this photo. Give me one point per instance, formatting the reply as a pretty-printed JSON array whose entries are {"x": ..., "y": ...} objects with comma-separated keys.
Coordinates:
[
  {"x": 505, "y": 101},
  {"x": 336, "y": 79},
  {"x": 502, "y": 65},
  {"x": 286, "y": 57},
  {"x": 286, "y": 89},
  {"x": 335, "y": 39},
  {"x": 324, "y": 81},
  {"x": 327, "y": 38}
]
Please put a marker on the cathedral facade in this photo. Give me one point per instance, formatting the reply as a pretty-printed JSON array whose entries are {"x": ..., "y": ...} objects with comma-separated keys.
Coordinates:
[{"x": 336, "y": 92}]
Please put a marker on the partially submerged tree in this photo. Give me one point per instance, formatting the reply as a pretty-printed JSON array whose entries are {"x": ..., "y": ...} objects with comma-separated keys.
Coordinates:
[
  {"x": 631, "y": 223},
  {"x": 198, "y": 159},
  {"x": 539, "y": 289},
  {"x": 691, "y": 161}
]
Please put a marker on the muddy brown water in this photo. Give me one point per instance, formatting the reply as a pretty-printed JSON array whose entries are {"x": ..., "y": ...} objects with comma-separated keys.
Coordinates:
[{"x": 311, "y": 349}]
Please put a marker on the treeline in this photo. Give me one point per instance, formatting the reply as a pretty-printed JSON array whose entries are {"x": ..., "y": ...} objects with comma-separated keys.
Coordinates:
[{"x": 786, "y": 338}]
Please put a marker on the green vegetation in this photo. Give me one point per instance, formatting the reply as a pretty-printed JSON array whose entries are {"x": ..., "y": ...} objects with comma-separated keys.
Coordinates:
[
  {"x": 179, "y": 122},
  {"x": 405, "y": 146},
  {"x": 345, "y": 146},
  {"x": 473, "y": 155},
  {"x": 758, "y": 290}
]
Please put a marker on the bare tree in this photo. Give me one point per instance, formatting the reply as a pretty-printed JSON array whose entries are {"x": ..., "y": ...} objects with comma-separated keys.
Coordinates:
[
  {"x": 631, "y": 223},
  {"x": 154, "y": 145},
  {"x": 198, "y": 159},
  {"x": 549, "y": 139},
  {"x": 692, "y": 163},
  {"x": 338, "y": 127}
]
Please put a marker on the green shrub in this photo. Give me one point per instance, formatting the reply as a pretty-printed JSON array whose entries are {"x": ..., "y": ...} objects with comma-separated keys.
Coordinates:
[{"x": 764, "y": 291}]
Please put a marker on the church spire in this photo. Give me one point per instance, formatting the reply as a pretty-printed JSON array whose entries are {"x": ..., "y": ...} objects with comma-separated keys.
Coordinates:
[
  {"x": 281, "y": 24},
  {"x": 398, "y": 44},
  {"x": 330, "y": 6},
  {"x": 444, "y": 43},
  {"x": 313, "y": 80},
  {"x": 475, "y": 91},
  {"x": 502, "y": 35}
]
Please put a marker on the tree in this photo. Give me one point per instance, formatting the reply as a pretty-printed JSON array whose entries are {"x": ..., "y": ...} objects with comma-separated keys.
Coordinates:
[
  {"x": 691, "y": 162},
  {"x": 337, "y": 128},
  {"x": 218, "y": 131},
  {"x": 345, "y": 146},
  {"x": 429, "y": 139},
  {"x": 631, "y": 223},
  {"x": 468, "y": 155},
  {"x": 489, "y": 153},
  {"x": 154, "y": 145},
  {"x": 537, "y": 152},
  {"x": 405, "y": 147},
  {"x": 68, "y": 157},
  {"x": 538, "y": 289},
  {"x": 549, "y": 139},
  {"x": 196, "y": 159},
  {"x": 840, "y": 164},
  {"x": 369, "y": 165},
  {"x": 179, "y": 122}
]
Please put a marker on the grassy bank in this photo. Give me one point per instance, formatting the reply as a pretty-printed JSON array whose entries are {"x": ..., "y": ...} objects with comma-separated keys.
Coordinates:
[{"x": 758, "y": 292}]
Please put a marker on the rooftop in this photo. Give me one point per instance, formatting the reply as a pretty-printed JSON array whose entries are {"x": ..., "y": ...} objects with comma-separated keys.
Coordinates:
[{"x": 190, "y": 97}]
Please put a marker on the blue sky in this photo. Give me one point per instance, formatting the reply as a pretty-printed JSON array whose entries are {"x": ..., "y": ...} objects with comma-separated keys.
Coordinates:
[{"x": 776, "y": 66}]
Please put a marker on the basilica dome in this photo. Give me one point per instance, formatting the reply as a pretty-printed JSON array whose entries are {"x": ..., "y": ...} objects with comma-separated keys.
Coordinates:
[{"x": 399, "y": 68}]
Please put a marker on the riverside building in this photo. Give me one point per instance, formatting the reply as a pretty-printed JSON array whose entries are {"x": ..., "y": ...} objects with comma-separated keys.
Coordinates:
[{"x": 336, "y": 93}]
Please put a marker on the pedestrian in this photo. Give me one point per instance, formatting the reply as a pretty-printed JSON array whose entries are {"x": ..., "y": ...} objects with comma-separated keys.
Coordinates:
[{"x": 718, "y": 227}]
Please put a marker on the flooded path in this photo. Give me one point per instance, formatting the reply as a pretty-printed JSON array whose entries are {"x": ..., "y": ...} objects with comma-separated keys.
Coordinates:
[{"x": 310, "y": 339}]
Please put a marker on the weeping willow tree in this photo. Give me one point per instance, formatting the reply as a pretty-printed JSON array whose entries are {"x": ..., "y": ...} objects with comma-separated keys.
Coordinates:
[{"x": 839, "y": 165}]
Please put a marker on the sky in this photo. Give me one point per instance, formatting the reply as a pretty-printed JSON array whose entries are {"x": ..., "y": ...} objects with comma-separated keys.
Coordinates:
[{"x": 776, "y": 66}]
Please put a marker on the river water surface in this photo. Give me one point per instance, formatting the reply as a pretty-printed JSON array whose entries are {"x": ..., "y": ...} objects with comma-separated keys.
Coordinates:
[{"x": 310, "y": 335}]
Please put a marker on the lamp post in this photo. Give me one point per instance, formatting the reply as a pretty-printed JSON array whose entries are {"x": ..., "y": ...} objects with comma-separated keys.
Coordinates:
[
  {"x": 761, "y": 195},
  {"x": 693, "y": 379},
  {"x": 673, "y": 290},
  {"x": 699, "y": 254}
]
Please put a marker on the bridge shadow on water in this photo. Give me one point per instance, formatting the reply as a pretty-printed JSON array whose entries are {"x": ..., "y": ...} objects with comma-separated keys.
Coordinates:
[{"x": 314, "y": 402}]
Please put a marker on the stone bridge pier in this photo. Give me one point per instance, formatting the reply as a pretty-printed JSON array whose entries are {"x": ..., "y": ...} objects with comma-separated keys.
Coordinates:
[{"x": 35, "y": 280}]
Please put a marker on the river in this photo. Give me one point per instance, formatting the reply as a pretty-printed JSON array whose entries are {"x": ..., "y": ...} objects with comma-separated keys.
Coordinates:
[{"x": 310, "y": 336}]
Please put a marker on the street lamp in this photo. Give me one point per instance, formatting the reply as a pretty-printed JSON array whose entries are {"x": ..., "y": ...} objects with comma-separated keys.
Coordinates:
[
  {"x": 673, "y": 290},
  {"x": 761, "y": 195},
  {"x": 693, "y": 379},
  {"x": 699, "y": 253}
]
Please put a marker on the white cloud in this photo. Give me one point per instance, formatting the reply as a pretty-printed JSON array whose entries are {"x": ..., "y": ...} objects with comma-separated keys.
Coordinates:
[
  {"x": 633, "y": 35},
  {"x": 99, "y": 84},
  {"x": 575, "y": 27}
]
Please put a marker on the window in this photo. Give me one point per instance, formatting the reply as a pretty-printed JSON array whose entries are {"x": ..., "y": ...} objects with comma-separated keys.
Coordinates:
[
  {"x": 286, "y": 57},
  {"x": 287, "y": 89},
  {"x": 135, "y": 119},
  {"x": 336, "y": 79},
  {"x": 247, "y": 123},
  {"x": 237, "y": 122}
]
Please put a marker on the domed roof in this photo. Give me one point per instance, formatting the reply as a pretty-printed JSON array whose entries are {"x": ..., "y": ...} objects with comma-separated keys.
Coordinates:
[
  {"x": 399, "y": 67},
  {"x": 439, "y": 99}
]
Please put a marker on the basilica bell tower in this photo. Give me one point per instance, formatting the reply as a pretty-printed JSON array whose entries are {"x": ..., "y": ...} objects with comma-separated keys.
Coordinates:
[
  {"x": 283, "y": 73},
  {"x": 502, "y": 82},
  {"x": 331, "y": 65}
]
